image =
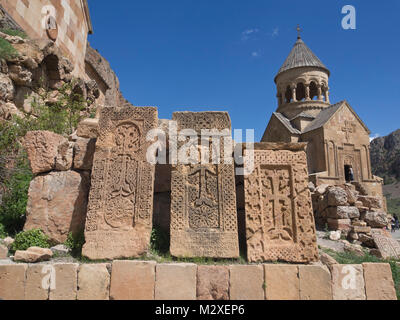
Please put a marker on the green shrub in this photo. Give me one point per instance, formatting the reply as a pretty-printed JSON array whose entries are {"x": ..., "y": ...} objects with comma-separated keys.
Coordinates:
[
  {"x": 15, "y": 198},
  {"x": 159, "y": 240},
  {"x": 31, "y": 238},
  {"x": 7, "y": 51},
  {"x": 3, "y": 232},
  {"x": 75, "y": 243}
]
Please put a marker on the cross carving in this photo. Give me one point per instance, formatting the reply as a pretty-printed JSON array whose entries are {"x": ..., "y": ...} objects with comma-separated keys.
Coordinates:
[{"x": 348, "y": 128}]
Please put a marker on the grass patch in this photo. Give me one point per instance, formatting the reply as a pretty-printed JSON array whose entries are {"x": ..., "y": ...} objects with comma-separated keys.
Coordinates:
[
  {"x": 351, "y": 258},
  {"x": 7, "y": 51},
  {"x": 13, "y": 32}
]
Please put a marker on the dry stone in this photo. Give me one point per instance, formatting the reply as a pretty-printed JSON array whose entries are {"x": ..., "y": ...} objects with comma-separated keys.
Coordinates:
[
  {"x": 348, "y": 282},
  {"x": 33, "y": 255},
  {"x": 279, "y": 218},
  {"x": 65, "y": 281},
  {"x": 282, "y": 282},
  {"x": 246, "y": 282},
  {"x": 57, "y": 204},
  {"x": 337, "y": 197},
  {"x": 12, "y": 281},
  {"x": 203, "y": 196},
  {"x": 132, "y": 280},
  {"x": 315, "y": 283},
  {"x": 42, "y": 148},
  {"x": 376, "y": 219},
  {"x": 64, "y": 159},
  {"x": 176, "y": 281},
  {"x": 339, "y": 224},
  {"x": 212, "y": 283},
  {"x": 379, "y": 282},
  {"x": 37, "y": 284},
  {"x": 343, "y": 212},
  {"x": 120, "y": 210},
  {"x": 93, "y": 282},
  {"x": 371, "y": 202},
  {"x": 7, "y": 90},
  {"x": 88, "y": 128}
]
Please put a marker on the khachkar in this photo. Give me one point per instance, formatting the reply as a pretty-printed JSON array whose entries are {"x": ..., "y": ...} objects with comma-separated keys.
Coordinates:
[
  {"x": 279, "y": 217},
  {"x": 120, "y": 209},
  {"x": 203, "y": 196}
]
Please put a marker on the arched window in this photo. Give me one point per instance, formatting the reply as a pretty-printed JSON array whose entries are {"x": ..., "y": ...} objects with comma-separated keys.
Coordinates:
[
  {"x": 300, "y": 92},
  {"x": 288, "y": 94},
  {"x": 313, "y": 91}
]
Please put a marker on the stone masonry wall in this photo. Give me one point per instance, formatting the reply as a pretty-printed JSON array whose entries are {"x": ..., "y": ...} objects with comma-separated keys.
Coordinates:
[
  {"x": 71, "y": 19},
  {"x": 147, "y": 280}
]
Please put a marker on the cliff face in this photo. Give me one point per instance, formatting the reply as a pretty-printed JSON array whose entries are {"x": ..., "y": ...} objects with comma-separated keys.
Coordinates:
[{"x": 385, "y": 157}]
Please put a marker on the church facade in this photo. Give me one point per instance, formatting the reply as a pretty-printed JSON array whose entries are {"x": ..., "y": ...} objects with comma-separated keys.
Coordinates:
[{"x": 338, "y": 148}]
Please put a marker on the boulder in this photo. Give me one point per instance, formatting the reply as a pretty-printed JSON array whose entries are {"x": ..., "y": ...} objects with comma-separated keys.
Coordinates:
[
  {"x": 21, "y": 75},
  {"x": 335, "y": 235},
  {"x": 33, "y": 255},
  {"x": 43, "y": 150},
  {"x": 321, "y": 189},
  {"x": 57, "y": 204},
  {"x": 60, "y": 249},
  {"x": 88, "y": 128},
  {"x": 354, "y": 248},
  {"x": 376, "y": 219},
  {"x": 337, "y": 197},
  {"x": 8, "y": 242},
  {"x": 8, "y": 109}
]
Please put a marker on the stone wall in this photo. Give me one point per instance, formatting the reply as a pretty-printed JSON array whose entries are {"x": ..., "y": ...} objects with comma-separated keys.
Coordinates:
[
  {"x": 72, "y": 19},
  {"x": 147, "y": 280}
]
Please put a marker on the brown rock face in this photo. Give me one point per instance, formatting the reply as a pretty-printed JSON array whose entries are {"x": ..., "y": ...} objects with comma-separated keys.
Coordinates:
[
  {"x": 42, "y": 148},
  {"x": 203, "y": 196},
  {"x": 83, "y": 153},
  {"x": 315, "y": 283},
  {"x": 12, "y": 281},
  {"x": 65, "y": 282},
  {"x": 212, "y": 283},
  {"x": 282, "y": 282},
  {"x": 133, "y": 280},
  {"x": 176, "y": 281},
  {"x": 93, "y": 282},
  {"x": 279, "y": 218},
  {"x": 348, "y": 282},
  {"x": 57, "y": 204},
  {"x": 120, "y": 210},
  {"x": 379, "y": 282},
  {"x": 246, "y": 282}
]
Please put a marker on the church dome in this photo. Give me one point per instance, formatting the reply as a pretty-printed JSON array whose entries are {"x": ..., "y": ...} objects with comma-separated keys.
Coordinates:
[{"x": 301, "y": 56}]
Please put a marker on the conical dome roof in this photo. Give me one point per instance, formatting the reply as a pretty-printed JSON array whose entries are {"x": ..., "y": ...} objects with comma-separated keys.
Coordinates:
[{"x": 301, "y": 56}]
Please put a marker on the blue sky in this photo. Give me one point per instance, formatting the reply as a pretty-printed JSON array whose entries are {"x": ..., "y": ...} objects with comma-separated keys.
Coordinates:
[{"x": 223, "y": 55}]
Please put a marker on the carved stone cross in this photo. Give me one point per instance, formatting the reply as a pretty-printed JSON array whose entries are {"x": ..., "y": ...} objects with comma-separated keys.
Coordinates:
[{"x": 348, "y": 128}]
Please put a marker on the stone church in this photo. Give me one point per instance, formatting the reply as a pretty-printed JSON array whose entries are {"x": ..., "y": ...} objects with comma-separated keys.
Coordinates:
[{"x": 338, "y": 140}]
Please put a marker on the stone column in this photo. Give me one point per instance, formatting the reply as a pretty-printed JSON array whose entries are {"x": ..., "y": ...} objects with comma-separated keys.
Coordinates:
[
  {"x": 319, "y": 87},
  {"x": 294, "y": 93},
  {"x": 307, "y": 85},
  {"x": 327, "y": 96}
]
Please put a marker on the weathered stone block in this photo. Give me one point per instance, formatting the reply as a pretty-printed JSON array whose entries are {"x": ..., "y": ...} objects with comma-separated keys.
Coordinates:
[
  {"x": 212, "y": 283},
  {"x": 282, "y": 282},
  {"x": 379, "y": 282},
  {"x": 132, "y": 280},
  {"x": 120, "y": 209},
  {"x": 203, "y": 196},
  {"x": 93, "y": 282},
  {"x": 88, "y": 128},
  {"x": 176, "y": 281},
  {"x": 57, "y": 204},
  {"x": 348, "y": 282},
  {"x": 388, "y": 247},
  {"x": 376, "y": 219},
  {"x": 343, "y": 212},
  {"x": 315, "y": 283},
  {"x": 371, "y": 202},
  {"x": 246, "y": 282},
  {"x": 339, "y": 224},
  {"x": 360, "y": 229},
  {"x": 42, "y": 148},
  {"x": 83, "y": 153},
  {"x": 38, "y": 282},
  {"x": 279, "y": 218},
  {"x": 336, "y": 197},
  {"x": 12, "y": 281},
  {"x": 33, "y": 254},
  {"x": 65, "y": 280}
]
